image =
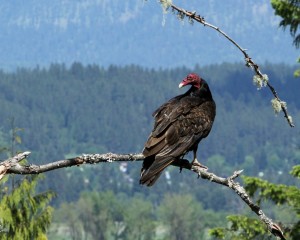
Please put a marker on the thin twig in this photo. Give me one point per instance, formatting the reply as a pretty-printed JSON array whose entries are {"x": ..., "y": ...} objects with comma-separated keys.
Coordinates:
[
  {"x": 248, "y": 59},
  {"x": 229, "y": 182}
]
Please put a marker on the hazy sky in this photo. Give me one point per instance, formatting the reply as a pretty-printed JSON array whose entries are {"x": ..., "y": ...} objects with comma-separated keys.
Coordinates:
[{"x": 132, "y": 32}]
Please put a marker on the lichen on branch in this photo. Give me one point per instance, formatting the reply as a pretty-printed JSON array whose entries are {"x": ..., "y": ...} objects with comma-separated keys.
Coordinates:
[{"x": 260, "y": 79}]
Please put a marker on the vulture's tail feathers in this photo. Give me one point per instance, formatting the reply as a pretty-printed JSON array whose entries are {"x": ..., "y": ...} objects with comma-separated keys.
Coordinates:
[{"x": 151, "y": 171}]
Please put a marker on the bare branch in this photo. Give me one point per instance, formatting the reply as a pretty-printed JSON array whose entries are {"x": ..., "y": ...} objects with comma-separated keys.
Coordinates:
[
  {"x": 248, "y": 59},
  {"x": 237, "y": 188},
  {"x": 11, "y": 162},
  {"x": 83, "y": 159},
  {"x": 229, "y": 182}
]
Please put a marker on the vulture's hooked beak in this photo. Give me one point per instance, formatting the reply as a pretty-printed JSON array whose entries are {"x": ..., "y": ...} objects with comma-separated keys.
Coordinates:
[{"x": 183, "y": 83}]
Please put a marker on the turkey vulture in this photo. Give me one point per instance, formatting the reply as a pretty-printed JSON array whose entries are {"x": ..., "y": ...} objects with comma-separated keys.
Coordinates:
[{"x": 179, "y": 126}]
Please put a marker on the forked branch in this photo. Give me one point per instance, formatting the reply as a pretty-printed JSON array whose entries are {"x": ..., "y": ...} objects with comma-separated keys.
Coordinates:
[
  {"x": 13, "y": 165},
  {"x": 262, "y": 78}
]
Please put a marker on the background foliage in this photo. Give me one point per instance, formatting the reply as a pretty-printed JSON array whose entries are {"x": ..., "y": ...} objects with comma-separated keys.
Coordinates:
[
  {"x": 25, "y": 214},
  {"x": 67, "y": 111}
]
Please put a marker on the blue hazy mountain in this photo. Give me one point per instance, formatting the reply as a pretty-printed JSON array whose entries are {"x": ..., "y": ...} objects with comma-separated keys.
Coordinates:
[{"x": 40, "y": 32}]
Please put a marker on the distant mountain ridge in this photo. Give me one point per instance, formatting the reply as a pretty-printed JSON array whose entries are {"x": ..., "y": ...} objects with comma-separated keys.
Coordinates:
[{"x": 131, "y": 32}]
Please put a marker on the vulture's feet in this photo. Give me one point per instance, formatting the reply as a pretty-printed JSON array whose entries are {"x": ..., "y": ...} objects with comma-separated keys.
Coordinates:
[{"x": 197, "y": 164}]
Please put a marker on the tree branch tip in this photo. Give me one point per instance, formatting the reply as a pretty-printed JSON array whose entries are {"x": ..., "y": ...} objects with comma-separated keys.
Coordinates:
[
  {"x": 234, "y": 175},
  {"x": 276, "y": 230},
  {"x": 289, "y": 119},
  {"x": 26, "y": 154}
]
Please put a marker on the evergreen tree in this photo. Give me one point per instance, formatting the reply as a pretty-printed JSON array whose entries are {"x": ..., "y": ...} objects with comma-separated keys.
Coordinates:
[
  {"x": 25, "y": 214},
  {"x": 289, "y": 10},
  {"x": 246, "y": 228}
]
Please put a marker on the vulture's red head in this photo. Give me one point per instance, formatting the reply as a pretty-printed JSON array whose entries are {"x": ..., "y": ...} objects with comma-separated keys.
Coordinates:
[{"x": 191, "y": 79}]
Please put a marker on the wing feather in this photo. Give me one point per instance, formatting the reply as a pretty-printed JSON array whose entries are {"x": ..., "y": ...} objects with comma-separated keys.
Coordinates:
[{"x": 179, "y": 125}]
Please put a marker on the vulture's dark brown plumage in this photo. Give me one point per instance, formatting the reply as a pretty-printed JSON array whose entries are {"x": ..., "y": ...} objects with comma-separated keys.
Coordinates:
[{"x": 179, "y": 126}]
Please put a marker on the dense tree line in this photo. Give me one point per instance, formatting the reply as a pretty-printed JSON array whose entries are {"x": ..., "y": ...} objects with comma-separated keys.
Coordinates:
[
  {"x": 66, "y": 111},
  {"x": 177, "y": 216},
  {"x": 69, "y": 110}
]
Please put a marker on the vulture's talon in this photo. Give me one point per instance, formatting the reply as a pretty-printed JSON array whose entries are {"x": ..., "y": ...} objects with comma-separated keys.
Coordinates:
[{"x": 197, "y": 164}]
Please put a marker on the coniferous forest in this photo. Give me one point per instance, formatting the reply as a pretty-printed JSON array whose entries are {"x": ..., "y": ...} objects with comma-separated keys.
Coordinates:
[{"x": 63, "y": 111}]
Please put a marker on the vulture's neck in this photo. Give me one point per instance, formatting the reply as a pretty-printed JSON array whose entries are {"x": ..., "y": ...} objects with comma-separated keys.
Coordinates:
[{"x": 200, "y": 92}]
